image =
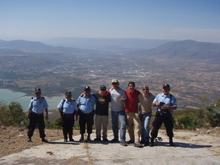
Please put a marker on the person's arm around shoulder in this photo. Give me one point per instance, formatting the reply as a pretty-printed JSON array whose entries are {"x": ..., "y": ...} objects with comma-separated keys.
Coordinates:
[
  {"x": 140, "y": 98},
  {"x": 108, "y": 96},
  {"x": 123, "y": 97},
  {"x": 78, "y": 101},
  {"x": 96, "y": 99},
  {"x": 78, "y": 106},
  {"x": 123, "y": 101}
]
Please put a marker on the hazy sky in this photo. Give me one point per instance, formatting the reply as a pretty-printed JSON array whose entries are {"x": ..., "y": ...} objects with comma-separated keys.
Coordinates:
[{"x": 150, "y": 19}]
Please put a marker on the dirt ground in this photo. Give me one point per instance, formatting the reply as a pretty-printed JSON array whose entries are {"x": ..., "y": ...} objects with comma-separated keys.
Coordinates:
[
  {"x": 13, "y": 139},
  {"x": 199, "y": 137}
]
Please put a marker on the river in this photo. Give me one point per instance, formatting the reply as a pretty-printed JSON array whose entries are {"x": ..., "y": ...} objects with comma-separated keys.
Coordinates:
[{"x": 7, "y": 95}]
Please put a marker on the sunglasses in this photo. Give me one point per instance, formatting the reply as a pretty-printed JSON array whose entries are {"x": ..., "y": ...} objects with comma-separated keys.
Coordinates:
[
  {"x": 114, "y": 83},
  {"x": 145, "y": 89}
]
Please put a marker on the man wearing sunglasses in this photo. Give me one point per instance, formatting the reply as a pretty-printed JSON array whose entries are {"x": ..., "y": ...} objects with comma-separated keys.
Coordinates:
[{"x": 145, "y": 109}]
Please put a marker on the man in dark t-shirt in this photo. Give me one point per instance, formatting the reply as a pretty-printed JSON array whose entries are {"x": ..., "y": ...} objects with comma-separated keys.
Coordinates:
[{"x": 103, "y": 99}]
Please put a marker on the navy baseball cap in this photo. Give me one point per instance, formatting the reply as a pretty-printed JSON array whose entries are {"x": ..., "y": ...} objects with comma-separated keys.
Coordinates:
[
  {"x": 166, "y": 86},
  {"x": 87, "y": 88},
  {"x": 68, "y": 93},
  {"x": 37, "y": 90},
  {"x": 102, "y": 87}
]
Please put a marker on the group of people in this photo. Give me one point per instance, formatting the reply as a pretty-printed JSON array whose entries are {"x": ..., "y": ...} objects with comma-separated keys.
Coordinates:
[{"x": 129, "y": 107}]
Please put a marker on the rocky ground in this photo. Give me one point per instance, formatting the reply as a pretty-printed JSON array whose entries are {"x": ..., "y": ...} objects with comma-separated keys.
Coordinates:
[{"x": 13, "y": 140}]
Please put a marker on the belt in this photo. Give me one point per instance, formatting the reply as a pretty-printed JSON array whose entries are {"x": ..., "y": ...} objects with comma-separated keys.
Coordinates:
[
  {"x": 37, "y": 114},
  {"x": 164, "y": 114},
  {"x": 68, "y": 115},
  {"x": 86, "y": 114}
]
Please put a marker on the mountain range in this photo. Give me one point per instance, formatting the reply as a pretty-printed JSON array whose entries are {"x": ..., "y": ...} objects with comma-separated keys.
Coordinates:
[
  {"x": 121, "y": 44},
  {"x": 186, "y": 49},
  {"x": 33, "y": 46}
]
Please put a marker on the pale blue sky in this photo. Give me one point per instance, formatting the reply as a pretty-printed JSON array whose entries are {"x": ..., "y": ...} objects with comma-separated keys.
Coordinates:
[{"x": 150, "y": 19}]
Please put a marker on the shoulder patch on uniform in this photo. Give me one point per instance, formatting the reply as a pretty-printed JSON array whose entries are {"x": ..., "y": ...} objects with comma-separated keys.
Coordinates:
[
  {"x": 32, "y": 97},
  {"x": 42, "y": 97}
]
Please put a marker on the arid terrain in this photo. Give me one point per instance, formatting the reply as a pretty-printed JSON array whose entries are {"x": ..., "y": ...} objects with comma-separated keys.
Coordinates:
[{"x": 13, "y": 139}]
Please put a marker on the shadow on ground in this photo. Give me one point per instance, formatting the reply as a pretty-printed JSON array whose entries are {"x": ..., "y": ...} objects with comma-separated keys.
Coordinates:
[{"x": 183, "y": 145}]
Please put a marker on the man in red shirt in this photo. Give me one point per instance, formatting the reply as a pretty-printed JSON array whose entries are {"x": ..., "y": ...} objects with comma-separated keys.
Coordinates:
[{"x": 132, "y": 114}]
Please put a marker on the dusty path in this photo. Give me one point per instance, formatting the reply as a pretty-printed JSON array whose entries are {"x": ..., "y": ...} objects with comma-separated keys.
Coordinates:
[{"x": 191, "y": 148}]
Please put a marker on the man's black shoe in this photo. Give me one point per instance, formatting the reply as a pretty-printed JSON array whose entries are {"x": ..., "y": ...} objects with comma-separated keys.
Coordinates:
[
  {"x": 130, "y": 141},
  {"x": 65, "y": 140},
  {"x": 44, "y": 140},
  {"x": 151, "y": 144},
  {"x": 146, "y": 144},
  {"x": 114, "y": 140},
  {"x": 105, "y": 140},
  {"x": 29, "y": 140},
  {"x": 97, "y": 139},
  {"x": 71, "y": 140},
  {"x": 124, "y": 144},
  {"x": 137, "y": 144},
  {"x": 142, "y": 141},
  {"x": 81, "y": 139}
]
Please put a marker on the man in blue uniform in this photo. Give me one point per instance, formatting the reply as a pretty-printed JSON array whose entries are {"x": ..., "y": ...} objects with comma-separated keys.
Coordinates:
[
  {"x": 165, "y": 103},
  {"x": 36, "y": 115},
  {"x": 67, "y": 109},
  {"x": 86, "y": 112}
]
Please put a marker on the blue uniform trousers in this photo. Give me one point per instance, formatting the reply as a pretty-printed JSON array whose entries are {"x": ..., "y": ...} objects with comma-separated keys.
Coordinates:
[
  {"x": 36, "y": 119},
  {"x": 167, "y": 119},
  {"x": 67, "y": 124}
]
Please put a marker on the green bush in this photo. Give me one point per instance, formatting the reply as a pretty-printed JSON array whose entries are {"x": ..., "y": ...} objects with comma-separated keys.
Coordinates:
[
  {"x": 191, "y": 119},
  {"x": 53, "y": 124},
  {"x": 185, "y": 121},
  {"x": 12, "y": 114},
  {"x": 213, "y": 115}
]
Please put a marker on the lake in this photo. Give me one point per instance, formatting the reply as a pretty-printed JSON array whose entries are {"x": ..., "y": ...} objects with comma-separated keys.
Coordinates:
[{"x": 7, "y": 95}]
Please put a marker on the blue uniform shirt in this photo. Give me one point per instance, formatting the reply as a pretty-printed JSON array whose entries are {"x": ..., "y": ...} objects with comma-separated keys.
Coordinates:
[
  {"x": 166, "y": 99},
  {"x": 38, "y": 105},
  {"x": 68, "y": 107},
  {"x": 86, "y": 105}
]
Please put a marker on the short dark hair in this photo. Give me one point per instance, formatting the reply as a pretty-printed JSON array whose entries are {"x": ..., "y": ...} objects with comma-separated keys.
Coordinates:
[{"x": 131, "y": 82}]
